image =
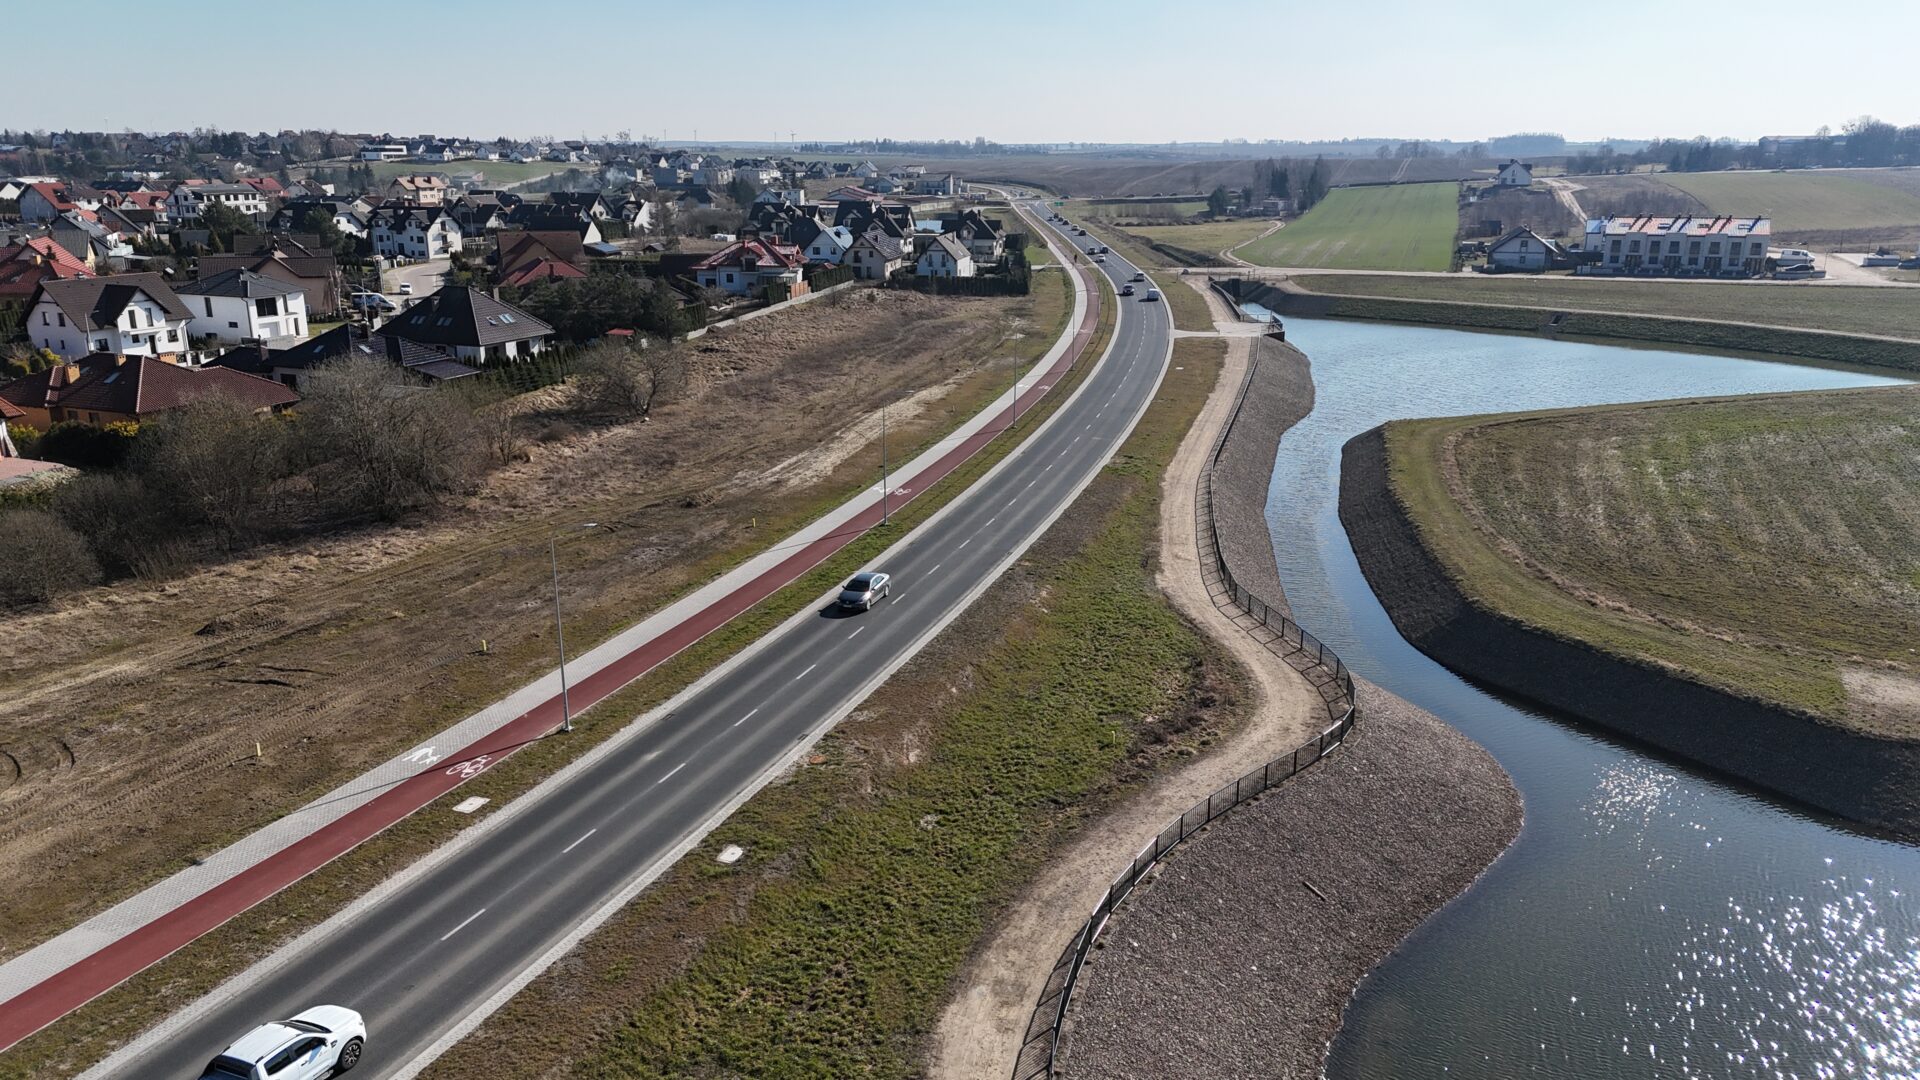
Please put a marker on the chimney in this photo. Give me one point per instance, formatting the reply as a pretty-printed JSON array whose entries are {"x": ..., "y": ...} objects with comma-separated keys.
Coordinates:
[{"x": 69, "y": 374}]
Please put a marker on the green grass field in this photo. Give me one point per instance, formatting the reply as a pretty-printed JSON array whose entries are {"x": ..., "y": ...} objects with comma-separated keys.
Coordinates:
[
  {"x": 1684, "y": 532},
  {"x": 1209, "y": 237},
  {"x": 1802, "y": 201},
  {"x": 1405, "y": 227},
  {"x": 1862, "y": 309}
]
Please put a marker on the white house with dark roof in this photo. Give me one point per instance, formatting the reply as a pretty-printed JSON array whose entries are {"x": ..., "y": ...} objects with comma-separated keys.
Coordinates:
[
  {"x": 124, "y": 314},
  {"x": 415, "y": 232},
  {"x": 1523, "y": 249},
  {"x": 240, "y": 305},
  {"x": 945, "y": 257},
  {"x": 469, "y": 325},
  {"x": 1514, "y": 173},
  {"x": 876, "y": 255}
]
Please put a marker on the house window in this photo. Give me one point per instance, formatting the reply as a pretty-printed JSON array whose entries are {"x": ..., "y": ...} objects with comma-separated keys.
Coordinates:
[
  {"x": 173, "y": 336},
  {"x": 209, "y": 302},
  {"x": 63, "y": 318},
  {"x": 1615, "y": 248},
  {"x": 1713, "y": 248},
  {"x": 267, "y": 306},
  {"x": 100, "y": 345},
  {"x": 1693, "y": 248}
]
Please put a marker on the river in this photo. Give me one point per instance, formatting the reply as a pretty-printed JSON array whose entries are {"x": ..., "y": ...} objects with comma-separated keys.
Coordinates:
[{"x": 1649, "y": 921}]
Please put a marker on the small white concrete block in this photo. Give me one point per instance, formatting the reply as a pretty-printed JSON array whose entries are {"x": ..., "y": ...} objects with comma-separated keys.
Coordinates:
[{"x": 468, "y": 806}]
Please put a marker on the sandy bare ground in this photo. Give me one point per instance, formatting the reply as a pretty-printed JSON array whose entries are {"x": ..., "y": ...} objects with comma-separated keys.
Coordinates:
[
  {"x": 134, "y": 710},
  {"x": 980, "y": 1031}
]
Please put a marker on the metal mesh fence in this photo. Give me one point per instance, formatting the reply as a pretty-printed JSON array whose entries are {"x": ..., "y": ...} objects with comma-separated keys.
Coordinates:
[{"x": 1287, "y": 640}]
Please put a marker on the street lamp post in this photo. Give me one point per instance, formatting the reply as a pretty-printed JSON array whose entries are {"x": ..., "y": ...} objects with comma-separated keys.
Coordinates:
[
  {"x": 559, "y": 627},
  {"x": 883, "y": 465}
]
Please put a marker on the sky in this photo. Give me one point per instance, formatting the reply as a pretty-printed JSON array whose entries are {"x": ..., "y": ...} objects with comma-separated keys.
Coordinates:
[{"x": 1028, "y": 71}]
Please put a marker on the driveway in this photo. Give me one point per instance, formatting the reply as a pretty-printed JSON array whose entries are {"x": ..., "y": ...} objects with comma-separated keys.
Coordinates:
[{"x": 425, "y": 276}]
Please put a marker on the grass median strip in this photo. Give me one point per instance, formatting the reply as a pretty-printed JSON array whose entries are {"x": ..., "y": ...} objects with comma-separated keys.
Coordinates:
[
  {"x": 93, "y": 1031},
  {"x": 871, "y": 871}
]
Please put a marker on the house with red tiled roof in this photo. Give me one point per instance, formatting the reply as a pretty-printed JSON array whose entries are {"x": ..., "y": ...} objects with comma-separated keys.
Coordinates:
[
  {"x": 25, "y": 265},
  {"x": 746, "y": 267},
  {"x": 104, "y": 388},
  {"x": 46, "y": 201},
  {"x": 527, "y": 256}
]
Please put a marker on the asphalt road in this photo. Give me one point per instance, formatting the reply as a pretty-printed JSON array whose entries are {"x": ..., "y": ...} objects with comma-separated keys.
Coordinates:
[{"x": 424, "y": 958}]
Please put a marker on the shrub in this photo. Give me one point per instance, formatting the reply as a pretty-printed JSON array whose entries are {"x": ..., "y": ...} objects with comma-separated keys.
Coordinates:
[
  {"x": 128, "y": 525},
  {"x": 392, "y": 447},
  {"x": 26, "y": 439},
  {"x": 41, "y": 557},
  {"x": 85, "y": 446}
]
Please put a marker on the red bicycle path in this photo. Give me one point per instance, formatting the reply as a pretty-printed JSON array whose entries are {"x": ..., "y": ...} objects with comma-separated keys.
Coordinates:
[{"x": 74, "y": 986}]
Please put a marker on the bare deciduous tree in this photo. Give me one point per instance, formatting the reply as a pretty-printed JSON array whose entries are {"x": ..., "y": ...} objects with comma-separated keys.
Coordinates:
[
  {"x": 215, "y": 460},
  {"x": 628, "y": 382}
]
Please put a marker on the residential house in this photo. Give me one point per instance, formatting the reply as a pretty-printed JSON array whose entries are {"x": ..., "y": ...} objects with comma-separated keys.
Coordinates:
[
  {"x": 129, "y": 314},
  {"x": 524, "y": 257},
  {"x": 885, "y": 185},
  {"x": 947, "y": 184},
  {"x": 1514, "y": 173},
  {"x": 469, "y": 325},
  {"x": 421, "y": 189},
  {"x": 944, "y": 257},
  {"x": 239, "y": 305},
  {"x": 778, "y": 194},
  {"x": 747, "y": 266},
  {"x": 45, "y": 201},
  {"x": 414, "y": 232},
  {"x": 546, "y": 217},
  {"x": 877, "y": 254},
  {"x": 191, "y": 197},
  {"x": 295, "y": 364},
  {"x": 828, "y": 244},
  {"x": 293, "y": 258},
  {"x": 866, "y": 170},
  {"x": 294, "y": 213},
  {"x": 1522, "y": 249},
  {"x": 105, "y": 388},
  {"x": 639, "y": 214},
  {"x": 712, "y": 173},
  {"x": 1673, "y": 245},
  {"x": 587, "y": 203},
  {"x": 385, "y": 151},
  {"x": 23, "y": 266},
  {"x": 981, "y": 235}
]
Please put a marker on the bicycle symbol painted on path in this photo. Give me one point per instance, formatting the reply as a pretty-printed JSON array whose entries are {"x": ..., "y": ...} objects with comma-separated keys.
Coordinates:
[{"x": 470, "y": 768}]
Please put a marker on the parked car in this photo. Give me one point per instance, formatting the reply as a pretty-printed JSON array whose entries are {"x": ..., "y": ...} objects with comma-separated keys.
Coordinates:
[
  {"x": 373, "y": 301},
  {"x": 323, "y": 1041},
  {"x": 1126, "y": 290},
  {"x": 1152, "y": 294},
  {"x": 405, "y": 289},
  {"x": 864, "y": 590}
]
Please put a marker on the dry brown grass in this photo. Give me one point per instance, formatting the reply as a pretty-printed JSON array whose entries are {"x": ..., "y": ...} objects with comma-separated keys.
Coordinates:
[{"x": 134, "y": 710}]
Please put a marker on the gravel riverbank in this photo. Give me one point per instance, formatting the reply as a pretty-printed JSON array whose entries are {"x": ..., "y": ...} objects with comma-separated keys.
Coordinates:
[{"x": 1237, "y": 958}]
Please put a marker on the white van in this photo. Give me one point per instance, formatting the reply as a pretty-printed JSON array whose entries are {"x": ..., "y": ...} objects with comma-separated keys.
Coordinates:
[
  {"x": 1785, "y": 257},
  {"x": 1152, "y": 294}
]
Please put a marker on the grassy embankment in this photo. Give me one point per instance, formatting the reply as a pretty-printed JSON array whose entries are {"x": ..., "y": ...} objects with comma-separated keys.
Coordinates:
[
  {"x": 1863, "y": 309},
  {"x": 829, "y": 950},
  {"x": 1765, "y": 546},
  {"x": 1403, "y": 227},
  {"x": 81, "y": 1038}
]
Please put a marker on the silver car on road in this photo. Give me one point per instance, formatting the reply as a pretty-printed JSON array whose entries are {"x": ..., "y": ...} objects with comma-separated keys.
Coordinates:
[{"x": 865, "y": 589}]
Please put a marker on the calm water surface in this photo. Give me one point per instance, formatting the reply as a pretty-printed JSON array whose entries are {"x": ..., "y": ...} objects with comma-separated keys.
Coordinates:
[{"x": 1649, "y": 921}]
